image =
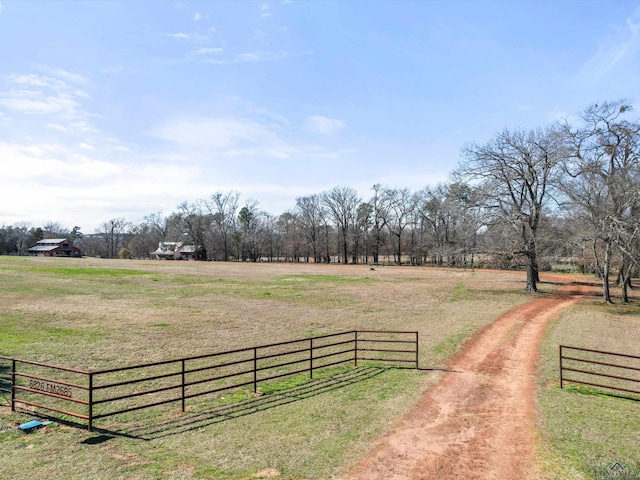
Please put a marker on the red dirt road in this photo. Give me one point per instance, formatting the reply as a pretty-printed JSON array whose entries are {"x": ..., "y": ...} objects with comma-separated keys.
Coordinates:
[{"x": 477, "y": 422}]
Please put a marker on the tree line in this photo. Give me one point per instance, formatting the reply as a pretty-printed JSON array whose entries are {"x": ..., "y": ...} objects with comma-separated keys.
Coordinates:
[{"x": 564, "y": 194}]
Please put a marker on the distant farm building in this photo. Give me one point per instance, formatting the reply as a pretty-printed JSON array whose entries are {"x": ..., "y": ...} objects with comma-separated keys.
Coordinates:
[
  {"x": 54, "y": 247},
  {"x": 174, "y": 251}
]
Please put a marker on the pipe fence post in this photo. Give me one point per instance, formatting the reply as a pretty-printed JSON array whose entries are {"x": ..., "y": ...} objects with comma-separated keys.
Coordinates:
[
  {"x": 311, "y": 358},
  {"x": 560, "y": 358},
  {"x": 255, "y": 370},
  {"x": 417, "y": 351},
  {"x": 183, "y": 387},
  {"x": 90, "y": 421},
  {"x": 13, "y": 384},
  {"x": 355, "y": 350}
]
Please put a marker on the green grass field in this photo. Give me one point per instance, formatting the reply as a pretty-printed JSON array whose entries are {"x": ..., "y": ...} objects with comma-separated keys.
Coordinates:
[
  {"x": 583, "y": 429},
  {"x": 92, "y": 313}
]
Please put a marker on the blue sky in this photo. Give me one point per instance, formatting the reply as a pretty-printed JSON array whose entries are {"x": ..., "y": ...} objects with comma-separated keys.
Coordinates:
[{"x": 120, "y": 109}]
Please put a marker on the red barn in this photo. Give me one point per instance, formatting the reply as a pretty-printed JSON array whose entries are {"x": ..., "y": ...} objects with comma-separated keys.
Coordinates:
[{"x": 54, "y": 247}]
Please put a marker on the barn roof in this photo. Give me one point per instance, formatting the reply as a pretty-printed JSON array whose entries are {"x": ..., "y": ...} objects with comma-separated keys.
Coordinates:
[{"x": 43, "y": 248}]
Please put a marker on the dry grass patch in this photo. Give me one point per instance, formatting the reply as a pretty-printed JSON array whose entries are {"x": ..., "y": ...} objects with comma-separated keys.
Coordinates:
[{"x": 98, "y": 313}]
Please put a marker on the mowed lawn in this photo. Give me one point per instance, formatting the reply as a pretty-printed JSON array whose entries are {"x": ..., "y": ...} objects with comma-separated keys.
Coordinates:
[{"x": 93, "y": 313}]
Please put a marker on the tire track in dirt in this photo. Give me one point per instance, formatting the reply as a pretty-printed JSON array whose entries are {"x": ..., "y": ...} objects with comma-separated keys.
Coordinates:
[{"x": 478, "y": 421}]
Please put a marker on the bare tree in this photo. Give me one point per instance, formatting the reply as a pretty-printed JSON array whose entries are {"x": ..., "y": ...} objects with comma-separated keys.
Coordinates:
[
  {"x": 21, "y": 232},
  {"x": 342, "y": 203},
  {"x": 378, "y": 221},
  {"x": 250, "y": 219},
  {"x": 361, "y": 235},
  {"x": 54, "y": 230},
  {"x": 223, "y": 208},
  {"x": 398, "y": 206},
  {"x": 113, "y": 235},
  {"x": 309, "y": 215},
  {"x": 516, "y": 172},
  {"x": 195, "y": 224},
  {"x": 602, "y": 183}
]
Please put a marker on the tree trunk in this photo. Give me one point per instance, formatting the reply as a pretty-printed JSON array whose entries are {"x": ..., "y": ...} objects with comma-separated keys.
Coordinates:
[
  {"x": 605, "y": 271},
  {"x": 531, "y": 276},
  {"x": 532, "y": 269}
]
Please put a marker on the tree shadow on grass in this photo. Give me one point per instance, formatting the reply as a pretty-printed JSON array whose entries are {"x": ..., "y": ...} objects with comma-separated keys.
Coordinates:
[{"x": 195, "y": 420}]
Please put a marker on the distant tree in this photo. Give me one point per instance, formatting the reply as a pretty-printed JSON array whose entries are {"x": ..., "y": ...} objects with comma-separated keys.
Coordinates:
[
  {"x": 398, "y": 206},
  {"x": 21, "y": 232},
  {"x": 223, "y": 208},
  {"x": 249, "y": 220},
  {"x": 195, "y": 223},
  {"x": 361, "y": 236},
  {"x": 113, "y": 232},
  {"x": 54, "y": 230},
  {"x": 8, "y": 240},
  {"x": 93, "y": 245},
  {"x": 74, "y": 234},
  {"x": 342, "y": 204},
  {"x": 310, "y": 216},
  {"x": 35, "y": 235},
  {"x": 293, "y": 244},
  {"x": 143, "y": 240},
  {"x": 378, "y": 224},
  {"x": 270, "y": 237}
]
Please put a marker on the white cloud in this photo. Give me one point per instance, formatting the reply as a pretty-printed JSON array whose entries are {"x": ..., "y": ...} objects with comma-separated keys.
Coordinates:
[
  {"x": 70, "y": 77},
  {"x": 619, "y": 47},
  {"x": 178, "y": 36},
  {"x": 112, "y": 70},
  {"x": 229, "y": 136},
  {"x": 323, "y": 125},
  {"x": 251, "y": 57},
  {"x": 36, "y": 94},
  {"x": 87, "y": 146},
  {"x": 52, "y": 161},
  {"x": 192, "y": 37},
  {"x": 207, "y": 51},
  {"x": 244, "y": 139},
  {"x": 197, "y": 16},
  {"x": 80, "y": 189},
  {"x": 33, "y": 101},
  {"x": 1, "y": 7},
  {"x": 58, "y": 127}
]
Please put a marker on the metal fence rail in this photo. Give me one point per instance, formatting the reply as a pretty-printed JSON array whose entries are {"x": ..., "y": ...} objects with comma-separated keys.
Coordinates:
[
  {"x": 114, "y": 391},
  {"x": 591, "y": 367},
  {"x": 377, "y": 339},
  {"x": 49, "y": 387},
  {"x": 5, "y": 380}
]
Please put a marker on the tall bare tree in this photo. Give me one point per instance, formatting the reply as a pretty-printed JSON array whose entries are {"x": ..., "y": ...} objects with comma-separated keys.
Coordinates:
[
  {"x": 309, "y": 215},
  {"x": 113, "y": 232},
  {"x": 378, "y": 221},
  {"x": 342, "y": 203},
  {"x": 398, "y": 205},
  {"x": 195, "y": 225},
  {"x": 602, "y": 180},
  {"x": 516, "y": 172},
  {"x": 223, "y": 208}
]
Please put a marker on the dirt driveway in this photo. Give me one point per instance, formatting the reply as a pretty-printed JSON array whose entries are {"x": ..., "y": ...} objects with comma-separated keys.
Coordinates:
[{"x": 477, "y": 422}]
